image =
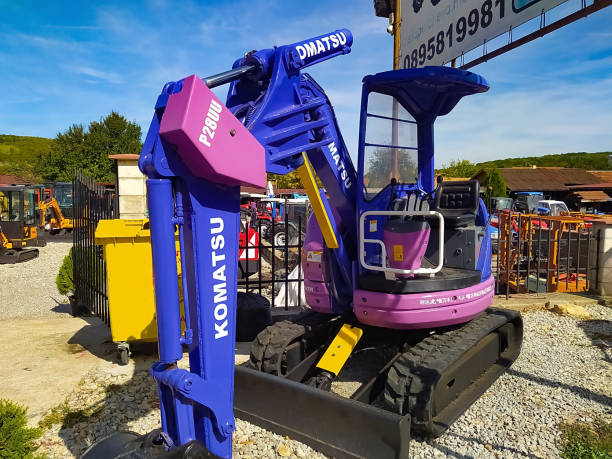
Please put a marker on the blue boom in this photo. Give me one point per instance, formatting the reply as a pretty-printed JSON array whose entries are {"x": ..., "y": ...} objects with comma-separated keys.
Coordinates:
[{"x": 197, "y": 404}]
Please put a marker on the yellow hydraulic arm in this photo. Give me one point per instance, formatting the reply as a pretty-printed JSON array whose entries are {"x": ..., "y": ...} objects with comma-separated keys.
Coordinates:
[
  {"x": 312, "y": 190},
  {"x": 4, "y": 242},
  {"x": 341, "y": 347},
  {"x": 57, "y": 220}
]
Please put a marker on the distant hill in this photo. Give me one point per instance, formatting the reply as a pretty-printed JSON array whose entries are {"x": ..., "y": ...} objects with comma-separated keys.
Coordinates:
[
  {"x": 588, "y": 161},
  {"x": 19, "y": 154}
]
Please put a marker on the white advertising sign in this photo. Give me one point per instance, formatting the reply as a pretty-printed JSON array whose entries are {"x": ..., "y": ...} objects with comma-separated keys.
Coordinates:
[{"x": 434, "y": 32}]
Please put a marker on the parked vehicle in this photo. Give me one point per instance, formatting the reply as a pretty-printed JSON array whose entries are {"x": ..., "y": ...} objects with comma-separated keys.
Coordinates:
[
  {"x": 527, "y": 201},
  {"x": 52, "y": 218},
  {"x": 552, "y": 208},
  {"x": 405, "y": 270},
  {"x": 18, "y": 221},
  {"x": 501, "y": 203}
]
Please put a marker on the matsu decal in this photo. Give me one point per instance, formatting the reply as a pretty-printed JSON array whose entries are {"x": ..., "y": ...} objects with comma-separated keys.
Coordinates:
[{"x": 343, "y": 174}]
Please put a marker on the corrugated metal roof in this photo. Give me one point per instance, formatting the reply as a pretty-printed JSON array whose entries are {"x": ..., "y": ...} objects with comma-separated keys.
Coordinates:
[
  {"x": 277, "y": 191},
  {"x": 593, "y": 196},
  {"x": 593, "y": 186},
  {"x": 604, "y": 176},
  {"x": 252, "y": 190},
  {"x": 543, "y": 178}
]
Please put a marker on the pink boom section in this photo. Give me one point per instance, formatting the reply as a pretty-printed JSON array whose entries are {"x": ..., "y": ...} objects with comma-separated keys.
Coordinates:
[
  {"x": 227, "y": 152},
  {"x": 416, "y": 311},
  {"x": 315, "y": 275}
]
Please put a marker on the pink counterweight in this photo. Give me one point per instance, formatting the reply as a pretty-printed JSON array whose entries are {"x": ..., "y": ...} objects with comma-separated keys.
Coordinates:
[{"x": 423, "y": 310}]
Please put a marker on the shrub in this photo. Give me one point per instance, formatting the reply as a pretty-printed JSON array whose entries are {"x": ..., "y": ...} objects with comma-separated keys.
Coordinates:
[
  {"x": 64, "y": 279},
  {"x": 16, "y": 439}
]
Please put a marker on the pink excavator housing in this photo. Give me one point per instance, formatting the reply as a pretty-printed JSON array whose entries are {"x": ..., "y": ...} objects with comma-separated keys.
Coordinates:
[{"x": 195, "y": 120}]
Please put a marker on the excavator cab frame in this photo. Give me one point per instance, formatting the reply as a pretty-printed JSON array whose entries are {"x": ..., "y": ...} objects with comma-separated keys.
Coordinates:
[
  {"x": 396, "y": 157},
  {"x": 421, "y": 310}
]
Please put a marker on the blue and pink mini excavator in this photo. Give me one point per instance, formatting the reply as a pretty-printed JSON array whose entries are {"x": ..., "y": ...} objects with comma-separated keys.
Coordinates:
[{"x": 393, "y": 262}]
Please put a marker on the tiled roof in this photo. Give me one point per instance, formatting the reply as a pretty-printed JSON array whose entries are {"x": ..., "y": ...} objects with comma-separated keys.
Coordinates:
[{"x": 12, "y": 180}]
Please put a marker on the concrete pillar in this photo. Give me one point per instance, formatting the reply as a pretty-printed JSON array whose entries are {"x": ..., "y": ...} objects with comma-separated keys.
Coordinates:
[
  {"x": 132, "y": 188},
  {"x": 600, "y": 279}
]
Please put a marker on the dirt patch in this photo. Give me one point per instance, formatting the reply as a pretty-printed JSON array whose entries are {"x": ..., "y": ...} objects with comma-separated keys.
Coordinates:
[{"x": 42, "y": 360}]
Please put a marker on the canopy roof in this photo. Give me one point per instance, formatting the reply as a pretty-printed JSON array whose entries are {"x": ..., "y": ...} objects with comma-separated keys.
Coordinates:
[{"x": 427, "y": 92}]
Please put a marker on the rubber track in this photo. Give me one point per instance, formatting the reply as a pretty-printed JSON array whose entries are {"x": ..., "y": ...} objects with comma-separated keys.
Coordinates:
[
  {"x": 268, "y": 348},
  {"x": 11, "y": 256},
  {"x": 412, "y": 378}
]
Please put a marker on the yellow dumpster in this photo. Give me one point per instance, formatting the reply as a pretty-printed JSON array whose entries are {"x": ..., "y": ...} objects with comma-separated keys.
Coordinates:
[{"x": 129, "y": 281}]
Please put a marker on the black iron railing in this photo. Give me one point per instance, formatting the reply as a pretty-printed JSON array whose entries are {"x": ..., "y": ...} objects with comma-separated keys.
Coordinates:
[
  {"x": 91, "y": 203},
  {"x": 279, "y": 249}
]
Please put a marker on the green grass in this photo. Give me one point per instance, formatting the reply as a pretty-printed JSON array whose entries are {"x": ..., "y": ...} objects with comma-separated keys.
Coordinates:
[
  {"x": 586, "y": 441},
  {"x": 19, "y": 155},
  {"x": 67, "y": 417},
  {"x": 23, "y": 148}
]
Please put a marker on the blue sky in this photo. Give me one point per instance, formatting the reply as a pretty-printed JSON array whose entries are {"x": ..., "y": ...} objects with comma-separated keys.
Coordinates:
[{"x": 67, "y": 62}]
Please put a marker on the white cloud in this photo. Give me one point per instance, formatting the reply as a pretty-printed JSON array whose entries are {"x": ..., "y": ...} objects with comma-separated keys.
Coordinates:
[
  {"x": 49, "y": 43},
  {"x": 74, "y": 27},
  {"x": 524, "y": 122},
  {"x": 109, "y": 77}
]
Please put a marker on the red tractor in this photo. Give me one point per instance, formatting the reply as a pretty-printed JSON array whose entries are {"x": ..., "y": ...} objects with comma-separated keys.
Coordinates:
[{"x": 248, "y": 245}]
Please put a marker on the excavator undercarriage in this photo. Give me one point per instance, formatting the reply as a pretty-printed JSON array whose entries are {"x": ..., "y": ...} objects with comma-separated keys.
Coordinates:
[{"x": 423, "y": 380}]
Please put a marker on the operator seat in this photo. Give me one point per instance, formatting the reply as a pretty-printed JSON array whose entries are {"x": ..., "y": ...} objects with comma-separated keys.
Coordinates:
[
  {"x": 458, "y": 202},
  {"x": 412, "y": 202}
]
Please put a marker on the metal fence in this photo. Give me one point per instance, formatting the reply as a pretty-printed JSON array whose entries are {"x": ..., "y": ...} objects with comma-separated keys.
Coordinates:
[
  {"x": 536, "y": 254},
  {"x": 279, "y": 276},
  {"x": 532, "y": 254},
  {"x": 91, "y": 203}
]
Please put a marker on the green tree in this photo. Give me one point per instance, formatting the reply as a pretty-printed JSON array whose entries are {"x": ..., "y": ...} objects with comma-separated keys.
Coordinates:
[
  {"x": 88, "y": 150},
  {"x": 458, "y": 168},
  {"x": 494, "y": 184},
  {"x": 290, "y": 180},
  {"x": 588, "y": 161},
  {"x": 380, "y": 167}
]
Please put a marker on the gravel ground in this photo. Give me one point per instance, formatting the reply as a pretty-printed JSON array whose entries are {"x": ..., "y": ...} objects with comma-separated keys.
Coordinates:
[
  {"x": 112, "y": 399},
  {"x": 564, "y": 373},
  {"x": 28, "y": 289}
]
